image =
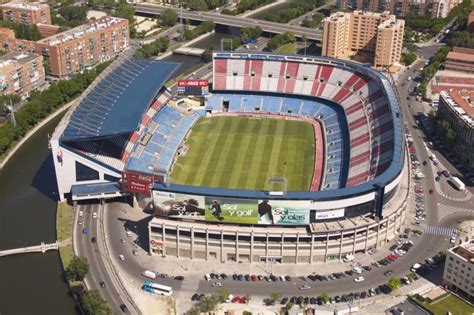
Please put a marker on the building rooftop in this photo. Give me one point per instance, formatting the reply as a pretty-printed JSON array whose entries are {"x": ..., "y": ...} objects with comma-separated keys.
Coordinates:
[
  {"x": 118, "y": 102},
  {"x": 465, "y": 251},
  {"x": 24, "y": 6},
  {"x": 80, "y": 31},
  {"x": 462, "y": 102},
  {"x": 465, "y": 57},
  {"x": 16, "y": 58}
]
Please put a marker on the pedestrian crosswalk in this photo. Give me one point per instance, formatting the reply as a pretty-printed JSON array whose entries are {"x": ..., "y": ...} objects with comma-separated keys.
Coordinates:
[
  {"x": 445, "y": 210},
  {"x": 439, "y": 230}
]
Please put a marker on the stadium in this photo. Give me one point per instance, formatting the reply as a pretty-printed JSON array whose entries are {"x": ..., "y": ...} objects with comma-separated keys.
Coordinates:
[{"x": 285, "y": 158}]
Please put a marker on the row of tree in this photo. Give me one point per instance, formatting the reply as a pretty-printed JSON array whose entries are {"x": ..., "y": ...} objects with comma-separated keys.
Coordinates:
[
  {"x": 297, "y": 8},
  {"x": 203, "y": 5},
  {"x": 429, "y": 71},
  {"x": 245, "y": 5},
  {"x": 280, "y": 40},
  {"x": 153, "y": 49},
  {"x": 22, "y": 31},
  {"x": 314, "y": 21},
  {"x": 202, "y": 28},
  {"x": 41, "y": 104}
]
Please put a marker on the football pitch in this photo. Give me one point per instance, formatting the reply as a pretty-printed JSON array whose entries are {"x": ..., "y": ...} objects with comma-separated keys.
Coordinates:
[{"x": 244, "y": 153}]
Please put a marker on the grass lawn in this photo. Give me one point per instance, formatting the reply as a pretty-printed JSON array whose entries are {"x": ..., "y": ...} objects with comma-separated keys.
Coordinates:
[
  {"x": 64, "y": 220},
  {"x": 450, "y": 303},
  {"x": 67, "y": 254},
  {"x": 289, "y": 48},
  {"x": 243, "y": 153}
]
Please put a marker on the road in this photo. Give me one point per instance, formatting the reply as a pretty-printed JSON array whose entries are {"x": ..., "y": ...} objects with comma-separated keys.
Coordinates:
[
  {"x": 234, "y": 21},
  {"x": 99, "y": 265}
]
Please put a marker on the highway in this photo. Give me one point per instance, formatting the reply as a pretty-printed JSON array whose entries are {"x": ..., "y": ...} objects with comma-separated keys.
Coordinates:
[{"x": 235, "y": 21}]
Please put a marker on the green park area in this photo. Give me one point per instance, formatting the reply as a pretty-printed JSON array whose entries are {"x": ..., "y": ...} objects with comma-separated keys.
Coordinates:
[
  {"x": 450, "y": 304},
  {"x": 64, "y": 221}
]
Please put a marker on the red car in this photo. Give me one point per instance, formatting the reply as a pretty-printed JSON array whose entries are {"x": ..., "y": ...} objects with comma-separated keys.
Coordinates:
[
  {"x": 254, "y": 278},
  {"x": 431, "y": 191},
  {"x": 236, "y": 299}
]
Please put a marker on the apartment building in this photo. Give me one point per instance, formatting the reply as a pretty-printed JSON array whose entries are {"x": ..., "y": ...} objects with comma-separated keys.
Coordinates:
[
  {"x": 84, "y": 46},
  {"x": 20, "y": 73},
  {"x": 458, "y": 272},
  {"x": 26, "y": 13},
  {"x": 457, "y": 107},
  {"x": 433, "y": 8},
  {"x": 376, "y": 34}
]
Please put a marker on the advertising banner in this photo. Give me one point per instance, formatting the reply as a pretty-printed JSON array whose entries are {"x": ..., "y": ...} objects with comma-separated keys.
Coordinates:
[
  {"x": 283, "y": 212},
  {"x": 231, "y": 210},
  {"x": 137, "y": 183},
  {"x": 329, "y": 214},
  {"x": 193, "y": 87},
  {"x": 168, "y": 204}
]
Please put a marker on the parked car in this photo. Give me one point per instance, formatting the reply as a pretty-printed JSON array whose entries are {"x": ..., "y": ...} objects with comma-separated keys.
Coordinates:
[
  {"x": 195, "y": 297},
  {"x": 122, "y": 257},
  {"x": 216, "y": 285},
  {"x": 359, "y": 279},
  {"x": 284, "y": 301}
]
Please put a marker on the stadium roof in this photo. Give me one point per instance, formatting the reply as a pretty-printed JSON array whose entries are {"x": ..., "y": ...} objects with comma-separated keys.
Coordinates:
[{"x": 118, "y": 102}]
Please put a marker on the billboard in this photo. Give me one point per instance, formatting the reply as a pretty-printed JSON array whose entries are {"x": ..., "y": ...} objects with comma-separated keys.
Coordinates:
[
  {"x": 193, "y": 87},
  {"x": 231, "y": 210},
  {"x": 283, "y": 212},
  {"x": 329, "y": 214},
  {"x": 169, "y": 204},
  {"x": 137, "y": 183}
]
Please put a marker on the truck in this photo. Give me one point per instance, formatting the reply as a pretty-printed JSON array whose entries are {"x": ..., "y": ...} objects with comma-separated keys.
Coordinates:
[
  {"x": 456, "y": 182},
  {"x": 149, "y": 274}
]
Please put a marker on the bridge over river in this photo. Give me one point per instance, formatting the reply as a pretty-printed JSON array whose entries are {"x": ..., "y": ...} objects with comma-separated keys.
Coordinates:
[{"x": 42, "y": 248}]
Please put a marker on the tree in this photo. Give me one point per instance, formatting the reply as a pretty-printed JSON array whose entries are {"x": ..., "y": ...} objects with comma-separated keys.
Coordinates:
[
  {"x": 409, "y": 58},
  {"x": 275, "y": 297},
  {"x": 247, "y": 313},
  {"x": 6, "y": 100},
  {"x": 324, "y": 297},
  {"x": 125, "y": 11},
  {"x": 288, "y": 306},
  {"x": 394, "y": 284},
  {"x": 77, "y": 268},
  {"x": 168, "y": 18},
  {"x": 94, "y": 304}
]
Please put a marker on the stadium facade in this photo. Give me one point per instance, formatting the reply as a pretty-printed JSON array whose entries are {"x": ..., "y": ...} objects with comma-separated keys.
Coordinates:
[{"x": 125, "y": 136}]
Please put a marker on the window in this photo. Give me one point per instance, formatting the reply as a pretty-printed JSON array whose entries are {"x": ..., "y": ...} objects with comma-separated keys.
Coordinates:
[
  {"x": 111, "y": 178},
  {"x": 84, "y": 173}
]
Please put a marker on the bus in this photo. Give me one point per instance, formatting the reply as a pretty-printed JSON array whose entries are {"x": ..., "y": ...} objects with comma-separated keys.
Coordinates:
[{"x": 157, "y": 288}]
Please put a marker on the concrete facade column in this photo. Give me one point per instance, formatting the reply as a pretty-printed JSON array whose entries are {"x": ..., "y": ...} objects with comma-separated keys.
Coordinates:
[
  {"x": 222, "y": 246},
  {"x": 311, "y": 249},
  {"x": 366, "y": 237},
  {"x": 163, "y": 237},
  {"x": 207, "y": 244},
  {"x": 150, "y": 237},
  {"x": 251, "y": 247},
  {"x": 354, "y": 244},
  {"x": 340, "y": 245},
  {"x": 386, "y": 229},
  {"x": 192, "y": 242},
  {"x": 282, "y": 244},
  {"x": 377, "y": 238},
  {"x": 327, "y": 247},
  {"x": 177, "y": 241},
  {"x": 266, "y": 246},
  {"x": 297, "y": 246},
  {"x": 237, "y": 246}
]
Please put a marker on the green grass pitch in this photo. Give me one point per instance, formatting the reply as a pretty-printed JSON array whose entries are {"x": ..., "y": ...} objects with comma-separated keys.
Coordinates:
[{"x": 243, "y": 153}]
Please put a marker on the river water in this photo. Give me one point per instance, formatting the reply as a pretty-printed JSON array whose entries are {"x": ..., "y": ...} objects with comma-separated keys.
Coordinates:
[{"x": 31, "y": 283}]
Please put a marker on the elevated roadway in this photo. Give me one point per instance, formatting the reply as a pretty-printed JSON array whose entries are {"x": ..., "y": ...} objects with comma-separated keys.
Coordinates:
[{"x": 234, "y": 21}]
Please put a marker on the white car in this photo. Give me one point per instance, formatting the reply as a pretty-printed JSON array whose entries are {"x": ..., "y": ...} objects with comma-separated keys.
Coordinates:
[
  {"x": 122, "y": 257},
  {"x": 304, "y": 287},
  {"x": 359, "y": 279},
  {"x": 128, "y": 233},
  {"x": 81, "y": 213},
  {"x": 453, "y": 240},
  {"x": 216, "y": 284},
  {"x": 357, "y": 270},
  {"x": 94, "y": 215}
]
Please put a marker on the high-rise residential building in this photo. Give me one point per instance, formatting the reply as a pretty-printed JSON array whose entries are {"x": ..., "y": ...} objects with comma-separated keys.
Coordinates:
[
  {"x": 26, "y": 13},
  {"x": 458, "y": 272},
  {"x": 20, "y": 73},
  {"x": 9, "y": 43},
  {"x": 379, "y": 35},
  {"x": 84, "y": 46},
  {"x": 433, "y": 8},
  {"x": 457, "y": 107}
]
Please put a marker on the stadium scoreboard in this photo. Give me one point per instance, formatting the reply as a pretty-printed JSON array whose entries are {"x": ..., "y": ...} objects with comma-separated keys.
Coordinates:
[{"x": 193, "y": 87}]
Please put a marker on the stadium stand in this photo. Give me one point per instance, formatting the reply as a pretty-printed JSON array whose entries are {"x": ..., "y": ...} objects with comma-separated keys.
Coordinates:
[{"x": 363, "y": 101}]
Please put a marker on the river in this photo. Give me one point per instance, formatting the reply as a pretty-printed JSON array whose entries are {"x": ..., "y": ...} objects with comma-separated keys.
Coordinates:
[{"x": 31, "y": 283}]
